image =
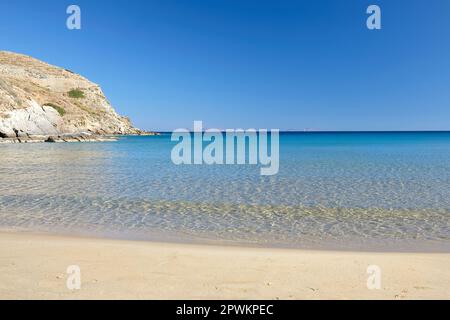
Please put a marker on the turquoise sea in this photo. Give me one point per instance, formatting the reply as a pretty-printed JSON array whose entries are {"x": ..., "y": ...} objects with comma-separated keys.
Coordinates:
[{"x": 355, "y": 191}]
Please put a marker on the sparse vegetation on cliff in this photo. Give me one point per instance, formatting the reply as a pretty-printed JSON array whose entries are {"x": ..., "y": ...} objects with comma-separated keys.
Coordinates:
[
  {"x": 76, "y": 94},
  {"x": 60, "y": 110}
]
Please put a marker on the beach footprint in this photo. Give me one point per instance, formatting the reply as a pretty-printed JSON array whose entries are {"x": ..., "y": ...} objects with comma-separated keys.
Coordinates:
[{"x": 402, "y": 294}]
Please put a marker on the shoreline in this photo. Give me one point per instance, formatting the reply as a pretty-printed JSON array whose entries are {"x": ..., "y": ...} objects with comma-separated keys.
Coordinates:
[
  {"x": 81, "y": 137},
  {"x": 182, "y": 239},
  {"x": 33, "y": 266},
  {"x": 70, "y": 137}
]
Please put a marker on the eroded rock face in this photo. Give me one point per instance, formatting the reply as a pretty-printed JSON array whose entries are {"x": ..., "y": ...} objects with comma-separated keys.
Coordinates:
[
  {"x": 32, "y": 120},
  {"x": 40, "y": 99}
]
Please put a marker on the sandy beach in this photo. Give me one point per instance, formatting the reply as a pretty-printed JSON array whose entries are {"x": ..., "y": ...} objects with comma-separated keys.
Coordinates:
[{"x": 33, "y": 266}]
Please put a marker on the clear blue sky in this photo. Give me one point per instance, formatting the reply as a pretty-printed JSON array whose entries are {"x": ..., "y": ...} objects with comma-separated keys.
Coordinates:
[{"x": 264, "y": 64}]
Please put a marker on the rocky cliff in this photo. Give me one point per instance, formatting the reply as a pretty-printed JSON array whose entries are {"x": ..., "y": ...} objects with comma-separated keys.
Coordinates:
[{"x": 38, "y": 99}]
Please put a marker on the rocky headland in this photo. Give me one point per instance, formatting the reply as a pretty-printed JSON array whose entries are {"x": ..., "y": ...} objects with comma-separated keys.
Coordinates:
[{"x": 43, "y": 103}]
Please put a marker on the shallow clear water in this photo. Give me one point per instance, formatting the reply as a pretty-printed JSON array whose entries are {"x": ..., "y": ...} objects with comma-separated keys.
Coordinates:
[{"x": 387, "y": 191}]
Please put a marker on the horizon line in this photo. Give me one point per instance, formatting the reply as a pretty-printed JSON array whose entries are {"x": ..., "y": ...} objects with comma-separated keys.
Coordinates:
[{"x": 330, "y": 131}]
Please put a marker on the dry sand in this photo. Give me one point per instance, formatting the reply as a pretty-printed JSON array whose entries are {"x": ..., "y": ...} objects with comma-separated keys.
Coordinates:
[{"x": 33, "y": 266}]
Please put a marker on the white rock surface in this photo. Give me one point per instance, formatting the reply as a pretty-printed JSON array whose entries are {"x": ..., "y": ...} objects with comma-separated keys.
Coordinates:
[{"x": 33, "y": 120}]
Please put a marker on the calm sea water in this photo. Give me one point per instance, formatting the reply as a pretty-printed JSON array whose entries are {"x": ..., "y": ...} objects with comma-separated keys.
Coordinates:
[{"x": 374, "y": 191}]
